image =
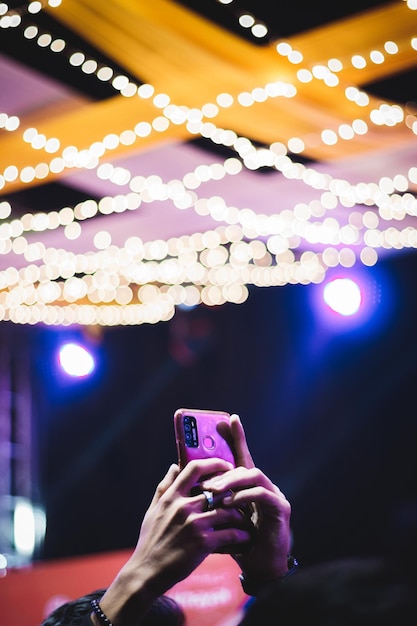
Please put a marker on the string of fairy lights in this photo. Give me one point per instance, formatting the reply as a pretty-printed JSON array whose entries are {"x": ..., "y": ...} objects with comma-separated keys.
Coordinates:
[{"x": 144, "y": 282}]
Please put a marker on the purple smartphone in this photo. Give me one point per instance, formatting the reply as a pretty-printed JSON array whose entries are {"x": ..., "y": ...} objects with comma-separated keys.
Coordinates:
[{"x": 198, "y": 435}]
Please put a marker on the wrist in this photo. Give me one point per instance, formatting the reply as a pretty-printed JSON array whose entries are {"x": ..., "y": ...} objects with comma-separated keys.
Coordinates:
[
  {"x": 253, "y": 585},
  {"x": 98, "y": 617},
  {"x": 125, "y": 602}
]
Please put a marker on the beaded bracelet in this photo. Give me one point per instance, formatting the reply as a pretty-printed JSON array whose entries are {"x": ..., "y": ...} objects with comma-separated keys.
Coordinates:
[
  {"x": 102, "y": 618},
  {"x": 252, "y": 589}
]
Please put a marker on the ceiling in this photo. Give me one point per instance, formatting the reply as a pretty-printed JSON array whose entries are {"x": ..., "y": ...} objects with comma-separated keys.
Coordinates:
[{"x": 273, "y": 174}]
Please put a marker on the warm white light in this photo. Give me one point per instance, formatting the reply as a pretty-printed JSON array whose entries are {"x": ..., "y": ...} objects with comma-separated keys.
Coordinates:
[
  {"x": 12, "y": 123},
  {"x": 102, "y": 240},
  {"x": 44, "y": 40},
  {"x": 39, "y": 141},
  {"x": 31, "y": 32},
  {"x": 246, "y": 20},
  {"x": 358, "y": 61},
  {"x": 245, "y": 99},
  {"x": 58, "y": 45},
  {"x": 296, "y": 145},
  {"x": 160, "y": 123},
  {"x": 161, "y": 100},
  {"x": 210, "y": 110},
  {"x": 119, "y": 82},
  {"x": 283, "y": 48},
  {"x": 295, "y": 57},
  {"x": 11, "y": 173},
  {"x": 335, "y": 65},
  {"x": 146, "y": 91},
  {"x": 346, "y": 131},
  {"x": 34, "y": 7},
  {"x": 377, "y": 57},
  {"x": 329, "y": 137},
  {"x": 304, "y": 76},
  {"x": 259, "y": 30},
  {"x": 89, "y": 66},
  {"x": 77, "y": 58},
  {"x": 143, "y": 129},
  {"x": 72, "y": 231},
  {"x": 391, "y": 47},
  {"x": 105, "y": 73},
  {"x": 5, "y": 209},
  {"x": 24, "y": 527}
]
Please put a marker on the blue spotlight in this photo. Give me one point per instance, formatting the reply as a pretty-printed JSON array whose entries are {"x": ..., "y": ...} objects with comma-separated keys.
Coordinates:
[
  {"x": 352, "y": 299},
  {"x": 343, "y": 296},
  {"x": 75, "y": 360}
]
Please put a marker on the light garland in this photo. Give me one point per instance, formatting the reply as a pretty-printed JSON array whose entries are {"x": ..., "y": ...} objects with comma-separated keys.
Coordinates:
[
  {"x": 386, "y": 114},
  {"x": 144, "y": 282},
  {"x": 12, "y": 18}
]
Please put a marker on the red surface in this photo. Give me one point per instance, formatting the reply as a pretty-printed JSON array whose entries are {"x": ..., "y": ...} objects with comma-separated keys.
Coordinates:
[{"x": 210, "y": 596}]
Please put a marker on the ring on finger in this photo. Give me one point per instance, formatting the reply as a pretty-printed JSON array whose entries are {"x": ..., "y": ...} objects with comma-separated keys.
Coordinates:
[{"x": 209, "y": 500}]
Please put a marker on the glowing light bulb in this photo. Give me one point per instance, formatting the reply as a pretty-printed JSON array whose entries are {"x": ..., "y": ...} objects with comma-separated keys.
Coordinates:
[
  {"x": 343, "y": 296},
  {"x": 76, "y": 360}
]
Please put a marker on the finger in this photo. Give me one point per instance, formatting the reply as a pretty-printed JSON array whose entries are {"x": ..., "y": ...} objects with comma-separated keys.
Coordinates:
[
  {"x": 266, "y": 499},
  {"x": 216, "y": 518},
  {"x": 223, "y": 519},
  {"x": 203, "y": 505},
  {"x": 197, "y": 470},
  {"x": 165, "y": 483},
  {"x": 239, "y": 478},
  {"x": 227, "y": 540},
  {"x": 242, "y": 453}
]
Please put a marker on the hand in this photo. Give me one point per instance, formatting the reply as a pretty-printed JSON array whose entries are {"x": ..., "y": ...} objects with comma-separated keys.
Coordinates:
[
  {"x": 266, "y": 558},
  {"x": 177, "y": 534}
]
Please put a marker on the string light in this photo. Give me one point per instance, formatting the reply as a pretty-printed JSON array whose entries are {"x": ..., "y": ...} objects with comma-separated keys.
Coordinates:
[
  {"x": 143, "y": 282},
  {"x": 161, "y": 123}
]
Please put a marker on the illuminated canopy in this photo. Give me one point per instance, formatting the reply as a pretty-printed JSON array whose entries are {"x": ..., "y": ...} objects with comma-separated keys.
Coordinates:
[{"x": 168, "y": 223}]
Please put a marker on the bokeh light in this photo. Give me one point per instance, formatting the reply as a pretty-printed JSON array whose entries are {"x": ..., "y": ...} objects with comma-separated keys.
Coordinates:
[
  {"x": 75, "y": 360},
  {"x": 357, "y": 299},
  {"x": 343, "y": 296}
]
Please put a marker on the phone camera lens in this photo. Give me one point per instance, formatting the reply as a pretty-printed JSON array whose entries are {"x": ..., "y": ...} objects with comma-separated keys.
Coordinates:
[{"x": 190, "y": 431}]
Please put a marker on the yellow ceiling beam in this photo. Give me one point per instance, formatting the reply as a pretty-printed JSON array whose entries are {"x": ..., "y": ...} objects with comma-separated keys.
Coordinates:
[
  {"x": 193, "y": 60},
  {"x": 81, "y": 128},
  {"x": 361, "y": 34}
]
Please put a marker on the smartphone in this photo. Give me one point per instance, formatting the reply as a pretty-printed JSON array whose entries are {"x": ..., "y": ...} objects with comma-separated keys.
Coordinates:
[{"x": 202, "y": 434}]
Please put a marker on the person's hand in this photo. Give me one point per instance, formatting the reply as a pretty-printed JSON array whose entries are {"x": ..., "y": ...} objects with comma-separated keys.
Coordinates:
[
  {"x": 250, "y": 489},
  {"x": 177, "y": 534}
]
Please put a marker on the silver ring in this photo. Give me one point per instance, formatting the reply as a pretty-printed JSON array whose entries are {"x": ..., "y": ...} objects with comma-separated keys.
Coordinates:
[{"x": 210, "y": 500}]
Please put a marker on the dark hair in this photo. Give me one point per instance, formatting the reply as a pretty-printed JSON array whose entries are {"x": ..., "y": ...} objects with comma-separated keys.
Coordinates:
[
  {"x": 163, "y": 612},
  {"x": 353, "y": 592}
]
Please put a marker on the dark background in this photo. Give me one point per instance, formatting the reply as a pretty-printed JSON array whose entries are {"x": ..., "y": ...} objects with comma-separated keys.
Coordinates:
[{"x": 329, "y": 414}]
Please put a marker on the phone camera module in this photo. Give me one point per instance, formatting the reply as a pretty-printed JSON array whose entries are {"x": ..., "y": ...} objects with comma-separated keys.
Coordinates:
[{"x": 190, "y": 431}]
